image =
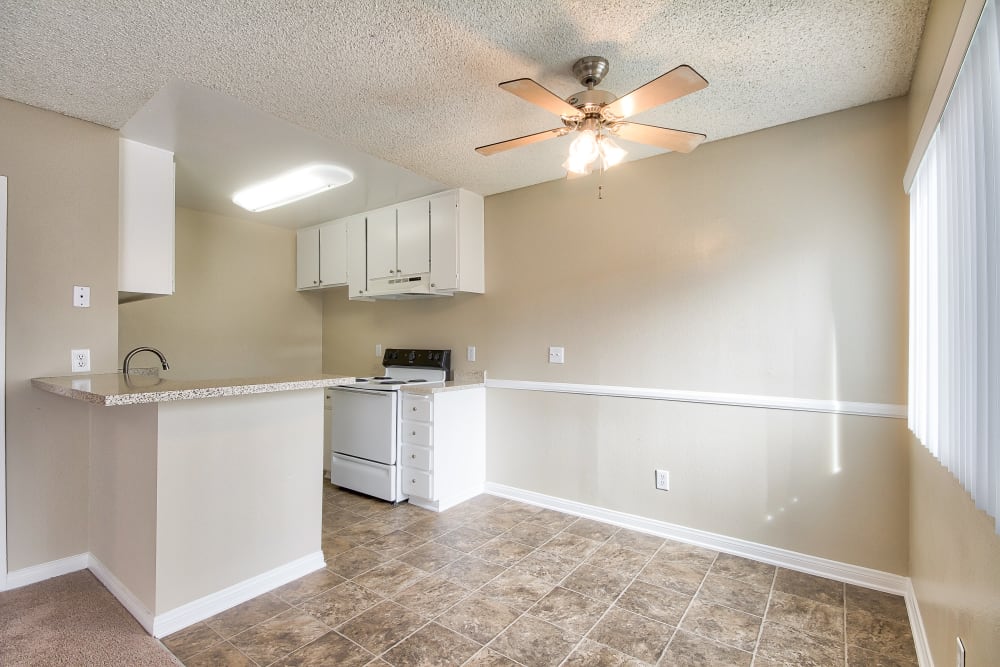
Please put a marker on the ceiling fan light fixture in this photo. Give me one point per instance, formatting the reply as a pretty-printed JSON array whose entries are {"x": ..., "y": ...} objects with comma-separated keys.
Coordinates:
[
  {"x": 292, "y": 186},
  {"x": 577, "y": 166},
  {"x": 584, "y": 147},
  {"x": 611, "y": 153}
]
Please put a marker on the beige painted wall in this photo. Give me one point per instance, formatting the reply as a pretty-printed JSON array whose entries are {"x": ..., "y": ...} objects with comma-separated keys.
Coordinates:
[
  {"x": 770, "y": 263},
  {"x": 235, "y": 312},
  {"x": 62, "y": 231},
  {"x": 954, "y": 564}
]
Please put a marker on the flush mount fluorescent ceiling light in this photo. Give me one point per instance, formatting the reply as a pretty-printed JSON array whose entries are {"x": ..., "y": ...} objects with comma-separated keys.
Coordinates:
[{"x": 292, "y": 186}]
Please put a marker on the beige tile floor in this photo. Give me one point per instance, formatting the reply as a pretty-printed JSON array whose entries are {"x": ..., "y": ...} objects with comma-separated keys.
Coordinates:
[{"x": 495, "y": 582}]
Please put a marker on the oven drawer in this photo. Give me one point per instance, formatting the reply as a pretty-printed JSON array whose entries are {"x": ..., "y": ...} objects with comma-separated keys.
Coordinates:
[
  {"x": 416, "y": 457},
  {"x": 417, "y": 483},
  {"x": 417, "y": 408},
  {"x": 416, "y": 433}
]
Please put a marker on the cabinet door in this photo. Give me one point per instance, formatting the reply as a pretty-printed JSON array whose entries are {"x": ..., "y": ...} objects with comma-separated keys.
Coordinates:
[
  {"x": 333, "y": 253},
  {"x": 357, "y": 274},
  {"x": 413, "y": 233},
  {"x": 381, "y": 229},
  {"x": 307, "y": 259},
  {"x": 444, "y": 241}
]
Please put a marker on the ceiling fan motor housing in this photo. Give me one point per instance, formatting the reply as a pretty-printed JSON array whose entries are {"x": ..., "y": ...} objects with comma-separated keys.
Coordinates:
[{"x": 590, "y": 70}]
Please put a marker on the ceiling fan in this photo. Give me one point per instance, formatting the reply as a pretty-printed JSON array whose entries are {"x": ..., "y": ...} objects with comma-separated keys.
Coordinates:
[{"x": 597, "y": 115}]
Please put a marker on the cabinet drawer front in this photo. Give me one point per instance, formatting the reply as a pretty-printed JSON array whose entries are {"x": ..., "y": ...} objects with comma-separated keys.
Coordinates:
[
  {"x": 417, "y": 483},
  {"x": 417, "y": 408},
  {"x": 416, "y": 457},
  {"x": 416, "y": 433}
]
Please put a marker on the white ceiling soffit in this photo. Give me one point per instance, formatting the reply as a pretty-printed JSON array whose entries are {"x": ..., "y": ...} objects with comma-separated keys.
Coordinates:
[
  {"x": 414, "y": 82},
  {"x": 221, "y": 145}
]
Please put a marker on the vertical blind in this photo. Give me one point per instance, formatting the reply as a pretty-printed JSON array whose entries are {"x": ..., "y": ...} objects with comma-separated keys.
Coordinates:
[{"x": 954, "y": 402}]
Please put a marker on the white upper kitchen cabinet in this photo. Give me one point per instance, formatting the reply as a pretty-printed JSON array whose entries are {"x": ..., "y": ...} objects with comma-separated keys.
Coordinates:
[
  {"x": 357, "y": 261},
  {"x": 146, "y": 217},
  {"x": 321, "y": 256},
  {"x": 381, "y": 243},
  {"x": 307, "y": 258},
  {"x": 333, "y": 253},
  {"x": 457, "y": 242},
  {"x": 413, "y": 238}
]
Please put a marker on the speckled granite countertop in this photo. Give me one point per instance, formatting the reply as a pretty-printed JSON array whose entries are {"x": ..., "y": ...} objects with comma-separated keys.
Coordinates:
[
  {"x": 457, "y": 385},
  {"x": 116, "y": 389}
]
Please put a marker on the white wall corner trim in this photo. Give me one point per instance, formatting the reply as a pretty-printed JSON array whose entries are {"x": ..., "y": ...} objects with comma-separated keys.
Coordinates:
[
  {"x": 122, "y": 593},
  {"x": 56, "y": 568},
  {"x": 210, "y": 605},
  {"x": 792, "y": 560},
  {"x": 713, "y": 398}
]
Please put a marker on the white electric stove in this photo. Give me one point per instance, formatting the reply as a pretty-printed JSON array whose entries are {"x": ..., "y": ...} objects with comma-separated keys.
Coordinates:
[{"x": 364, "y": 421}]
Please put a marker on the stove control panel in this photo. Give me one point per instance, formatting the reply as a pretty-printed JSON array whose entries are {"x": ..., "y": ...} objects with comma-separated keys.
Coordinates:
[{"x": 439, "y": 359}]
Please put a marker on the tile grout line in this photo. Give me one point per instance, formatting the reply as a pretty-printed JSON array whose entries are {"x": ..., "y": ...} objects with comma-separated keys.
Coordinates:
[{"x": 763, "y": 619}]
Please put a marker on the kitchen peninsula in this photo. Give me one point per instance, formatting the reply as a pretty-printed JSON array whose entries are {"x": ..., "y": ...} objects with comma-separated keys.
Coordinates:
[{"x": 202, "y": 494}]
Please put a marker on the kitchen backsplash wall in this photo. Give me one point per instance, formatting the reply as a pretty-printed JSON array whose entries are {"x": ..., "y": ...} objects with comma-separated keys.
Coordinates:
[
  {"x": 62, "y": 230},
  {"x": 772, "y": 263},
  {"x": 235, "y": 311}
]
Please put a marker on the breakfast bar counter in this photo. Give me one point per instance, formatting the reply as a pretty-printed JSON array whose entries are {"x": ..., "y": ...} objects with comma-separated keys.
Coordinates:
[{"x": 202, "y": 494}]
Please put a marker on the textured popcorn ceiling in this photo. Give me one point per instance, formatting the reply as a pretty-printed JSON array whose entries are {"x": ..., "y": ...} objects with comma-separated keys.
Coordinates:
[{"x": 415, "y": 82}]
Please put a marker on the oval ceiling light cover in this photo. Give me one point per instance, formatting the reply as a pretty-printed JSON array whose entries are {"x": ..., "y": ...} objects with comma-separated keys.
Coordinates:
[{"x": 292, "y": 186}]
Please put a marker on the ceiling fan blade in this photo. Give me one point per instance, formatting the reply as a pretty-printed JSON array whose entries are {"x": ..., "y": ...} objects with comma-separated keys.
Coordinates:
[
  {"x": 532, "y": 91},
  {"x": 501, "y": 146},
  {"x": 676, "y": 83},
  {"x": 674, "y": 140}
]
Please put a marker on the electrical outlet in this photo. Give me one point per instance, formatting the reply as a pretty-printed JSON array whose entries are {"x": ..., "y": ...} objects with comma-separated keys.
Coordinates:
[
  {"x": 471, "y": 353},
  {"x": 960, "y": 654},
  {"x": 557, "y": 355},
  {"x": 81, "y": 296},
  {"x": 378, "y": 350},
  {"x": 80, "y": 361},
  {"x": 663, "y": 480}
]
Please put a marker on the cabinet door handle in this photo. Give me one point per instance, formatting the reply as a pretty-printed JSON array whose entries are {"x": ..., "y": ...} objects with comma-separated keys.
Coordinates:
[
  {"x": 413, "y": 481},
  {"x": 413, "y": 456},
  {"x": 414, "y": 408},
  {"x": 413, "y": 432},
  {"x": 314, "y": 282}
]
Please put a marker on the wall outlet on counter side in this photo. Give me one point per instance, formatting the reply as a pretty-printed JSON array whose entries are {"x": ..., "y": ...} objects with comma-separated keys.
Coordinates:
[
  {"x": 471, "y": 353},
  {"x": 557, "y": 355},
  {"x": 80, "y": 361},
  {"x": 378, "y": 350},
  {"x": 663, "y": 480}
]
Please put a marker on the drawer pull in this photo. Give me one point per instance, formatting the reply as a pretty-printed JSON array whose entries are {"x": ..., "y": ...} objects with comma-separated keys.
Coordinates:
[
  {"x": 413, "y": 456},
  {"x": 413, "y": 409},
  {"x": 413, "y": 432},
  {"x": 413, "y": 481}
]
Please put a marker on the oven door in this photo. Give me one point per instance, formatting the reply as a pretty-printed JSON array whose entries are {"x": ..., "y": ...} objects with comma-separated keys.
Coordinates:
[{"x": 363, "y": 424}]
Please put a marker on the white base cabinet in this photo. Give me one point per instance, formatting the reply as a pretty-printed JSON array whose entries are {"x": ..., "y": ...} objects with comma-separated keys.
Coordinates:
[{"x": 443, "y": 447}]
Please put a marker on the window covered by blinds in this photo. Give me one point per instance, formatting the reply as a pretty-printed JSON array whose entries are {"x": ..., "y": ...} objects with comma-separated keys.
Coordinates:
[{"x": 954, "y": 401}]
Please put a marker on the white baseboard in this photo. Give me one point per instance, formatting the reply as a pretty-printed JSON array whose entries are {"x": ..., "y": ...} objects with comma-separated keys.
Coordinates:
[
  {"x": 924, "y": 658},
  {"x": 122, "y": 593},
  {"x": 210, "y": 605},
  {"x": 792, "y": 560},
  {"x": 56, "y": 568}
]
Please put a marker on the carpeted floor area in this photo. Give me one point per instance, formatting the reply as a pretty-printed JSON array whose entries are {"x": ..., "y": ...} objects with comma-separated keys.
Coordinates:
[{"x": 73, "y": 620}]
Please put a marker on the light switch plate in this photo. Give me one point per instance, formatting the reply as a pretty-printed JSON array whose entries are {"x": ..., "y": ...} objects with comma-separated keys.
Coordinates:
[
  {"x": 471, "y": 353},
  {"x": 378, "y": 350},
  {"x": 557, "y": 355}
]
